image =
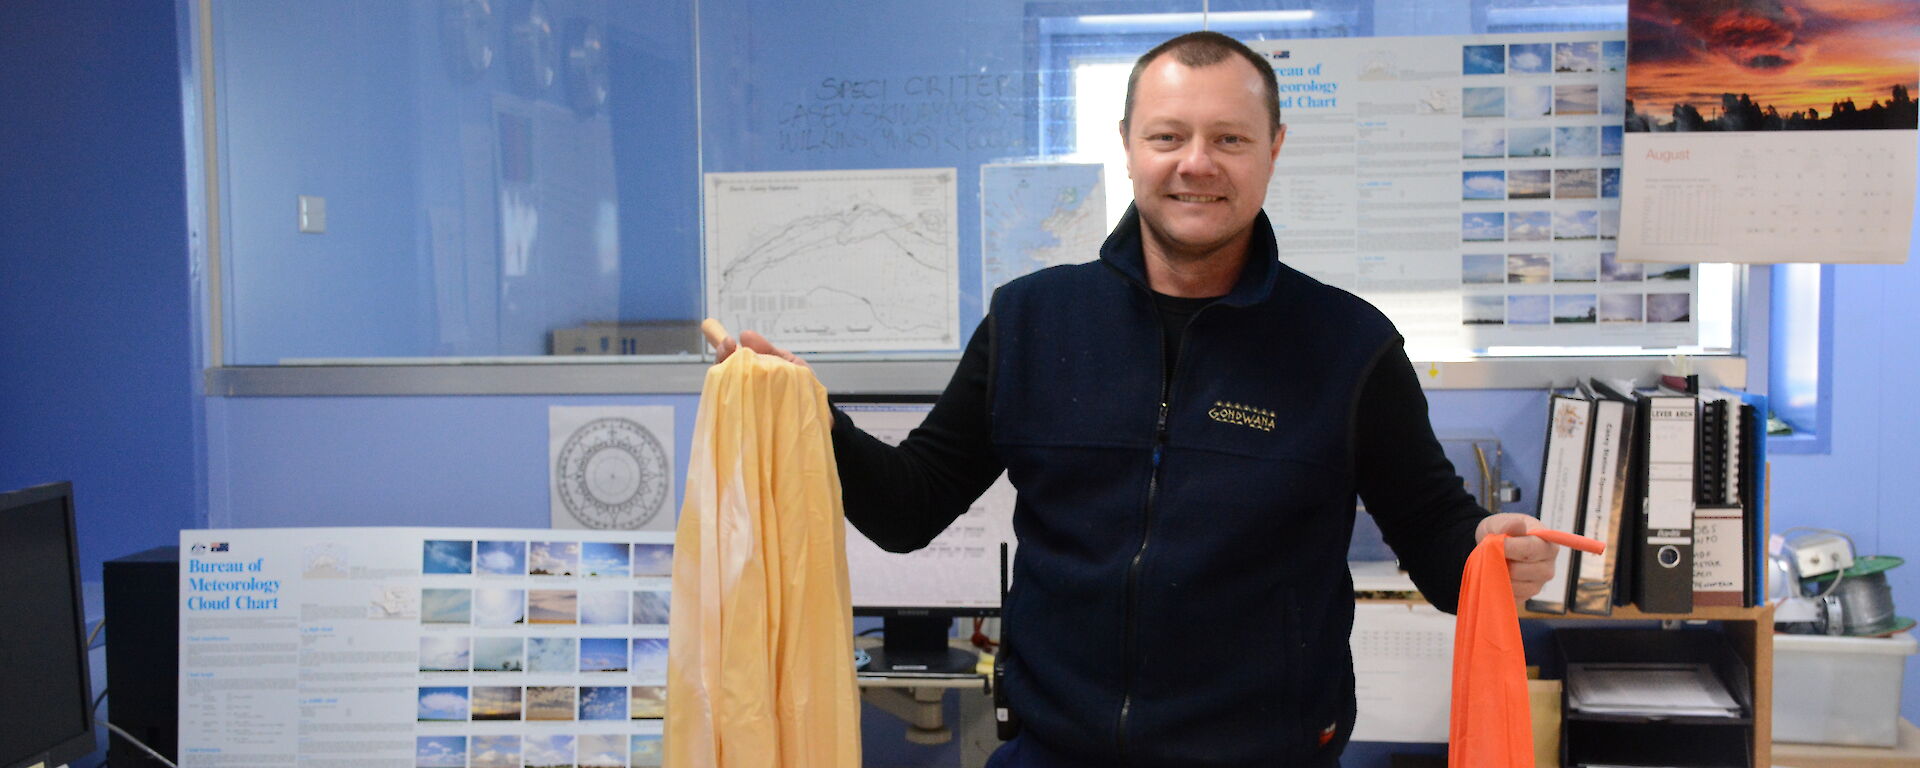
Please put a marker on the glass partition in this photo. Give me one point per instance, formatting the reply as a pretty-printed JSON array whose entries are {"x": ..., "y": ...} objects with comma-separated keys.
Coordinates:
[
  {"x": 523, "y": 181},
  {"x": 488, "y": 175}
]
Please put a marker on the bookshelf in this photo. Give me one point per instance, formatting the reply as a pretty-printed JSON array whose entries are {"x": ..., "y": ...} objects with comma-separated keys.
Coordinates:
[
  {"x": 1728, "y": 460},
  {"x": 1633, "y": 613},
  {"x": 1748, "y": 630}
]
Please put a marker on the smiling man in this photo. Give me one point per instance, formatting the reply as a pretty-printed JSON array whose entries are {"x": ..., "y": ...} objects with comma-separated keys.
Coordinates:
[
  {"x": 1187, "y": 422},
  {"x": 1202, "y": 135}
]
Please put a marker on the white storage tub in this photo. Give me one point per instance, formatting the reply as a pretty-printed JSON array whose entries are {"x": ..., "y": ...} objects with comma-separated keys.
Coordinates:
[{"x": 1839, "y": 690}]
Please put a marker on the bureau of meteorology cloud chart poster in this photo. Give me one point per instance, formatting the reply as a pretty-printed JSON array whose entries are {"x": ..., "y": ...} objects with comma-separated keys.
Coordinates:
[
  {"x": 423, "y": 647},
  {"x": 1469, "y": 187},
  {"x": 1770, "y": 132}
]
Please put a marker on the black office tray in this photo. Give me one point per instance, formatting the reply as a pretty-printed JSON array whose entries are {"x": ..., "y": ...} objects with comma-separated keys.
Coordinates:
[{"x": 1622, "y": 739}]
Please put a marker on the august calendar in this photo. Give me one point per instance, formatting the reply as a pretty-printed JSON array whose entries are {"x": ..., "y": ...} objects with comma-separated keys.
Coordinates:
[{"x": 1792, "y": 142}]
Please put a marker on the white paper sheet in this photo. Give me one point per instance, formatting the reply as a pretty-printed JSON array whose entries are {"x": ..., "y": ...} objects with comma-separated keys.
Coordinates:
[
  {"x": 1403, "y": 672},
  {"x": 1670, "y": 435},
  {"x": 1671, "y": 689},
  {"x": 1769, "y": 198},
  {"x": 611, "y": 467}
]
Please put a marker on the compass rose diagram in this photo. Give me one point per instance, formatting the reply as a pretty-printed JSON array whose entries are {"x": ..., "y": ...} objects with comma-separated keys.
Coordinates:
[{"x": 612, "y": 473}]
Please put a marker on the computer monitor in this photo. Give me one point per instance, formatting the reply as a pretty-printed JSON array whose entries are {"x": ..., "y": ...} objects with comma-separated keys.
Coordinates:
[
  {"x": 918, "y": 594},
  {"x": 47, "y": 714}
]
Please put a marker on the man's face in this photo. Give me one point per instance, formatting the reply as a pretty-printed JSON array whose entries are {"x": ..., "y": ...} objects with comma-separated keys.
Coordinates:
[{"x": 1200, "y": 148}]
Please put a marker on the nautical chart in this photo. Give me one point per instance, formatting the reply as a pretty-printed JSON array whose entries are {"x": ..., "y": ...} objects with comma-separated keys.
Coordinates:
[
  {"x": 836, "y": 261},
  {"x": 1037, "y": 216}
]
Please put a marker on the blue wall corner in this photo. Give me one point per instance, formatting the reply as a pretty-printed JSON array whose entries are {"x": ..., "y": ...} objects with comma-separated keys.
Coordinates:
[{"x": 96, "y": 380}]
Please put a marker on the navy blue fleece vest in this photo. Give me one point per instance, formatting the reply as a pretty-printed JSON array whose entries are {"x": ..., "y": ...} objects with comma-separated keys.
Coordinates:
[{"x": 1180, "y": 595}]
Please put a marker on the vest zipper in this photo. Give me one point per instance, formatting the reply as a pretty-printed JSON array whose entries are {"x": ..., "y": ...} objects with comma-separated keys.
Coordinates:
[{"x": 1146, "y": 528}]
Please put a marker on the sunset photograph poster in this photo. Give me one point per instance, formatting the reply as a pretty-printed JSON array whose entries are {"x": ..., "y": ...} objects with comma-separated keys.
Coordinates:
[{"x": 1772, "y": 65}]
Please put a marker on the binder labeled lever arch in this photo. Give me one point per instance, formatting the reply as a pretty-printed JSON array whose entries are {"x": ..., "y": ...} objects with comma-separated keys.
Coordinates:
[{"x": 1664, "y": 583}]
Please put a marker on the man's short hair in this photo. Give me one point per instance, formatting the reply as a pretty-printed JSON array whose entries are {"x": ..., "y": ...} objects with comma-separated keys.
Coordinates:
[{"x": 1200, "y": 49}]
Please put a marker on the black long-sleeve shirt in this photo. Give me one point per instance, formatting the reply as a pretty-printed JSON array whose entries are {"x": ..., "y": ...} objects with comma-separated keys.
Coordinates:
[{"x": 901, "y": 497}]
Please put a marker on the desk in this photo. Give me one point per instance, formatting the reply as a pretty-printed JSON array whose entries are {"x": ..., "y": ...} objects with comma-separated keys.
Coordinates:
[
  {"x": 1906, "y": 754},
  {"x": 919, "y": 701},
  {"x": 1749, "y": 630}
]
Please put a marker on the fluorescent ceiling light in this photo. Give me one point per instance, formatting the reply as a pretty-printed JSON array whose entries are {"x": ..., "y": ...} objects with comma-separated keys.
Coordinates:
[
  {"x": 1234, "y": 19},
  {"x": 1550, "y": 15}
]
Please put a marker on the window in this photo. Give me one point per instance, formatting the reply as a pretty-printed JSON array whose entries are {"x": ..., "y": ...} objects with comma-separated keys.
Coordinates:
[
  {"x": 1799, "y": 375},
  {"x": 1099, "y": 97},
  {"x": 1090, "y": 56}
]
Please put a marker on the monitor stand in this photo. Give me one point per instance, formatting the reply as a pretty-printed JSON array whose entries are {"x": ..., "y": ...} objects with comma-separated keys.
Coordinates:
[{"x": 917, "y": 645}]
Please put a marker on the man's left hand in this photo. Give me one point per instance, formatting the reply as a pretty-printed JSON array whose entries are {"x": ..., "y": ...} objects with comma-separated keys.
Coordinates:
[{"x": 1529, "y": 559}]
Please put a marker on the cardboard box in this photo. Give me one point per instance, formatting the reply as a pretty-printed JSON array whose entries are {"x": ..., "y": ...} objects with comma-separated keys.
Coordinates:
[
  {"x": 663, "y": 338},
  {"x": 1543, "y": 705}
]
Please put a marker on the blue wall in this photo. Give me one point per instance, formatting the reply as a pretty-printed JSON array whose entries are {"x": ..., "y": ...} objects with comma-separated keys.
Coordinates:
[
  {"x": 98, "y": 371},
  {"x": 1869, "y": 485},
  {"x": 97, "y": 374},
  {"x": 97, "y": 364},
  {"x": 465, "y": 461}
]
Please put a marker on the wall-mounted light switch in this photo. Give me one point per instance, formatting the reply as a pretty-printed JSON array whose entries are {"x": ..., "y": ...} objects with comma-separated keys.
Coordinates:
[{"x": 313, "y": 214}]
